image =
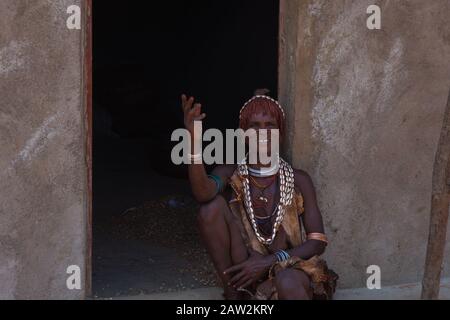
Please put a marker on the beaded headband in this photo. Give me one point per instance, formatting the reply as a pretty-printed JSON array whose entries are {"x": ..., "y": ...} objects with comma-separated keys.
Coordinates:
[{"x": 261, "y": 97}]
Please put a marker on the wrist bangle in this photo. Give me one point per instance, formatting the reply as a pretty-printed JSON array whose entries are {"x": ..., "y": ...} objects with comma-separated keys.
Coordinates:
[
  {"x": 282, "y": 255},
  {"x": 195, "y": 158}
]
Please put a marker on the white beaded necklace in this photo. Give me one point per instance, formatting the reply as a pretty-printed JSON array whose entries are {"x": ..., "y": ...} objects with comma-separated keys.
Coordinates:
[
  {"x": 286, "y": 176},
  {"x": 264, "y": 172}
]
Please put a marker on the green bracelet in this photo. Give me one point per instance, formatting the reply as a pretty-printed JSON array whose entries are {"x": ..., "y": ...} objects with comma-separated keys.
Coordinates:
[{"x": 218, "y": 181}]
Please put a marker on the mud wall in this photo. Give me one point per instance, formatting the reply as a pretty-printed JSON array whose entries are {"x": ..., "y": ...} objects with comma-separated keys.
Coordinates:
[{"x": 365, "y": 112}]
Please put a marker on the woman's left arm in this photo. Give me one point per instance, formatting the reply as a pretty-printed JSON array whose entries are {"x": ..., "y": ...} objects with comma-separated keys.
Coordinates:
[{"x": 312, "y": 219}]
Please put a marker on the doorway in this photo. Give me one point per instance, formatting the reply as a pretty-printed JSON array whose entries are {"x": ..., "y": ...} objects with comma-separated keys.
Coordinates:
[{"x": 145, "y": 55}]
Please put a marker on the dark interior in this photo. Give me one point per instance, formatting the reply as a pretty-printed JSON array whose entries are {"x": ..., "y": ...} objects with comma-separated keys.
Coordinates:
[{"x": 146, "y": 54}]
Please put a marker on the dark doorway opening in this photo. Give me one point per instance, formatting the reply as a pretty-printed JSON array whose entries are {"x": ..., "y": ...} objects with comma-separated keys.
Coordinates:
[{"x": 145, "y": 55}]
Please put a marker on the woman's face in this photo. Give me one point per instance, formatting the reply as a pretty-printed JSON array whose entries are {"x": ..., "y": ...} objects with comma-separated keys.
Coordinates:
[{"x": 261, "y": 121}]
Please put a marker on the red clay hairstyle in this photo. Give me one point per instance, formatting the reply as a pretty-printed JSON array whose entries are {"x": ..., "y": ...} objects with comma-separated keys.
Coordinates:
[{"x": 265, "y": 105}]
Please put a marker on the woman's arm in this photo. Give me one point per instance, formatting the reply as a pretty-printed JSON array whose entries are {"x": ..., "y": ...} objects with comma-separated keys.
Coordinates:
[
  {"x": 203, "y": 188},
  {"x": 312, "y": 218}
]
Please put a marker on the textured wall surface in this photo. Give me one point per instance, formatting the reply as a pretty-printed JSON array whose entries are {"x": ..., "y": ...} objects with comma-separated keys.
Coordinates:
[
  {"x": 365, "y": 113},
  {"x": 42, "y": 160}
]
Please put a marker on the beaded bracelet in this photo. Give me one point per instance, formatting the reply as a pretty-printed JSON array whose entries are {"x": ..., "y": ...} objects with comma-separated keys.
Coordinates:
[{"x": 282, "y": 255}]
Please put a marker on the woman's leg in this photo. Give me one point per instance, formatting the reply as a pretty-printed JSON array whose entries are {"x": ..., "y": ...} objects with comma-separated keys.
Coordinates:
[
  {"x": 222, "y": 239},
  {"x": 293, "y": 284}
]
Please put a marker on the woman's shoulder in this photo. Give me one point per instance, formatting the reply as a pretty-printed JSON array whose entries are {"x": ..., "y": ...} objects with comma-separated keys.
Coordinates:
[{"x": 302, "y": 180}]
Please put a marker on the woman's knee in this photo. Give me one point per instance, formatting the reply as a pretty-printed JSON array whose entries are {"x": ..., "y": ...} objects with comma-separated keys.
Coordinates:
[
  {"x": 212, "y": 211},
  {"x": 293, "y": 284}
]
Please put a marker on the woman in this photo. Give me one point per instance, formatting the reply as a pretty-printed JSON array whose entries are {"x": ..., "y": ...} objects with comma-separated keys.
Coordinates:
[{"x": 260, "y": 223}]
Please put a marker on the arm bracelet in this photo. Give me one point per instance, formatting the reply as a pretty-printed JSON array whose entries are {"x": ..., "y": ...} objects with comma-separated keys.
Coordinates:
[
  {"x": 317, "y": 236},
  {"x": 218, "y": 181}
]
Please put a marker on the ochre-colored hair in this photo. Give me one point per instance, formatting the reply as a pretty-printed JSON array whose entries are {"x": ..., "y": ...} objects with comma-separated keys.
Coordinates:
[{"x": 265, "y": 105}]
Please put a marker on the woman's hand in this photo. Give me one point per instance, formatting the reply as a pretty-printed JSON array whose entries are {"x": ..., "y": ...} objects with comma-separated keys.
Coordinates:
[
  {"x": 248, "y": 272},
  {"x": 192, "y": 112}
]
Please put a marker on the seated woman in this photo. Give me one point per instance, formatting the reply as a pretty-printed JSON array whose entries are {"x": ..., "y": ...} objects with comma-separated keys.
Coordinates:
[{"x": 261, "y": 224}]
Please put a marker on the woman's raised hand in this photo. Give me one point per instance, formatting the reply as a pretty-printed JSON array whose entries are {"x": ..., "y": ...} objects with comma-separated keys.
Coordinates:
[{"x": 192, "y": 112}]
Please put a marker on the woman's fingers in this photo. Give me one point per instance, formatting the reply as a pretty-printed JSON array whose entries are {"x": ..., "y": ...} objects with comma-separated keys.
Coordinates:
[
  {"x": 191, "y": 108},
  {"x": 245, "y": 285},
  {"x": 200, "y": 117},
  {"x": 237, "y": 277},
  {"x": 197, "y": 109},
  {"x": 183, "y": 102},
  {"x": 234, "y": 268},
  {"x": 242, "y": 281},
  {"x": 187, "y": 103},
  {"x": 191, "y": 113},
  {"x": 195, "y": 112}
]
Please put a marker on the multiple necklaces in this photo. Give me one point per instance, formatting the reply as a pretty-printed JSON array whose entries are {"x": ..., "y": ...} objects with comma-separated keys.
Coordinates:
[
  {"x": 261, "y": 188},
  {"x": 286, "y": 178}
]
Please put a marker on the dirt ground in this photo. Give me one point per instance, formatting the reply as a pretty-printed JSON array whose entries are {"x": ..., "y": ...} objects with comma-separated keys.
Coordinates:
[{"x": 145, "y": 237}]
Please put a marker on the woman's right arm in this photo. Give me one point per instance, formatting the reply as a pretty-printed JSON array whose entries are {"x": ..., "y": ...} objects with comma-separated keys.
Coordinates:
[{"x": 203, "y": 188}]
